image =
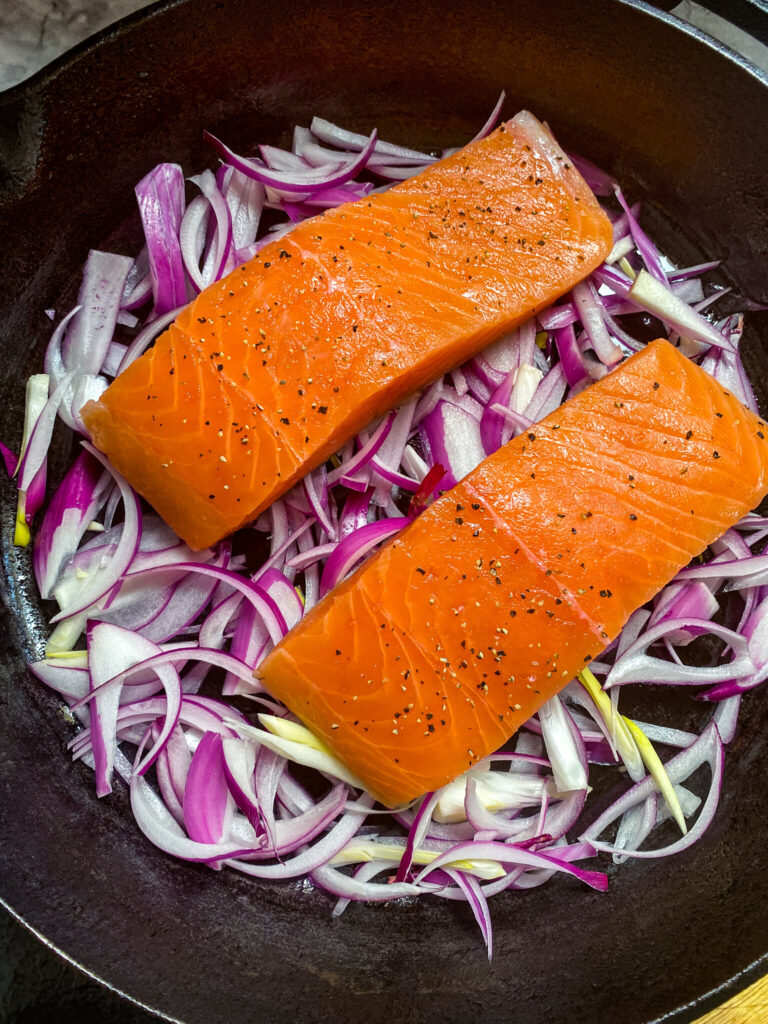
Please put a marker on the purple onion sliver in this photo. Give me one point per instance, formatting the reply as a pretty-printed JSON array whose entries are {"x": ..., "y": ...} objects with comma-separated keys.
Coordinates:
[
  {"x": 70, "y": 512},
  {"x": 160, "y": 196},
  {"x": 90, "y": 332},
  {"x": 294, "y": 182},
  {"x": 355, "y": 546},
  {"x": 208, "y": 804}
]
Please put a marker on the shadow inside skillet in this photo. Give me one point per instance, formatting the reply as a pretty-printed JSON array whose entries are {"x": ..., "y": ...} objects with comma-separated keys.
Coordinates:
[{"x": 210, "y": 946}]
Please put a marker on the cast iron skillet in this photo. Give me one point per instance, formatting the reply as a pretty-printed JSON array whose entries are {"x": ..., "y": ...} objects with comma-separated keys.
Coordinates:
[{"x": 675, "y": 117}]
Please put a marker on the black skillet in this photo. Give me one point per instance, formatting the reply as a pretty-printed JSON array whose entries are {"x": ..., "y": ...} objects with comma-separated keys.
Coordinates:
[{"x": 676, "y": 118}]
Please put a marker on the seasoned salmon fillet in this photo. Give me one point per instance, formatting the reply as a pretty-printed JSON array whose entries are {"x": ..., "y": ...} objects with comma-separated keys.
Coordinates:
[
  {"x": 271, "y": 370},
  {"x": 436, "y": 650}
]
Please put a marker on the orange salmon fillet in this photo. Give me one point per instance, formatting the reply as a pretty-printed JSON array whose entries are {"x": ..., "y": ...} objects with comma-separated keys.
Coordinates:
[
  {"x": 271, "y": 370},
  {"x": 436, "y": 650}
]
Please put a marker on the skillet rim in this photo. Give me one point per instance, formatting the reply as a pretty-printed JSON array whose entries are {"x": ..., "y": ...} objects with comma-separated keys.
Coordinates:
[{"x": 17, "y": 94}]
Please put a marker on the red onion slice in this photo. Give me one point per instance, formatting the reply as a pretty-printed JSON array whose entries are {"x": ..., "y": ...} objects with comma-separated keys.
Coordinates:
[
  {"x": 294, "y": 181},
  {"x": 160, "y": 196},
  {"x": 74, "y": 506},
  {"x": 102, "y": 583},
  {"x": 360, "y": 890},
  {"x": 636, "y": 666},
  {"x": 506, "y": 853},
  {"x": 354, "y": 547},
  {"x": 111, "y": 652},
  {"x": 335, "y": 136},
  {"x": 90, "y": 332},
  {"x": 656, "y": 298},
  {"x": 208, "y": 804},
  {"x": 708, "y": 749}
]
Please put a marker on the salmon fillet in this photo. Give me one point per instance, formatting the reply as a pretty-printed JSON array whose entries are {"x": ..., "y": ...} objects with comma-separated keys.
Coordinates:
[
  {"x": 271, "y": 370},
  {"x": 436, "y": 650}
]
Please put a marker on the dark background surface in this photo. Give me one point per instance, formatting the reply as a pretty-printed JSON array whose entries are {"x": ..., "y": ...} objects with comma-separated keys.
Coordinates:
[{"x": 37, "y": 985}]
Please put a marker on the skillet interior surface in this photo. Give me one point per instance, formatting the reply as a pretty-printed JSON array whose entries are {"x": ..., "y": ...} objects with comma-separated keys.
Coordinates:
[{"x": 676, "y": 119}]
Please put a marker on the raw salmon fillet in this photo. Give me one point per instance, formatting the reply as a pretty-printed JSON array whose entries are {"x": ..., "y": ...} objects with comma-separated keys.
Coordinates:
[
  {"x": 438, "y": 648},
  {"x": 270, "y": 371}
]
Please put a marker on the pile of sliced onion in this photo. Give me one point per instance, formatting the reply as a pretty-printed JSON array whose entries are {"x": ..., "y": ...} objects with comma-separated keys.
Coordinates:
[{"x": 146, "y": 629}]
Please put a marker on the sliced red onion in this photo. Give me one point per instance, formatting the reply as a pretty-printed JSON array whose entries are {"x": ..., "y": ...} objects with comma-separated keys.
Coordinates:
[
  {"x": 570, "y": 355},
  {"x": 316, "y": 490},
  {"x": 158, "y": 825},
  {"x": 90, "y": 332},
  {"x": 476, "y": 898},
  {"x": 430, "y": 398},
  {"x": 755, "y": 632},
  {"x": 264, "y": 604},
  {"x": 250, "y": 641},
  {"x": 199, "y": 715},
  {"x": 493, "y": 117},
  {"x": 335, "y": 136},
  {"x": 667, "y": 734},
  {"x": 71, "y": 681},
  {"x": 312, "y": 556},
  {"x": 635, "y": 826},
  {"x": 417, "y": 833},
  {"x": 548, "y": 395},
  {"x": 683, "y": 600},
  {"x": 102, "y": 583},
  {"x": 138, "y": 284},
  {"x": 112, "y": 652},
  {"x": 83, "y": 388},
  {"x": 221, "y": 241},
  {"x": 727, "y": 368},
  {"x": 160, "y": 196},
  {"x": 192, "y": 232},
  {"x": 294, "y": 181},
  {"x": 645, "y": 246},
  {"x": 363, "y": 457},
  {"x": 697, "y": 271},
  {"x": 54, "y": 361},
  {"x": 564, "y": 746},
  {"x": 172, "y": 768},
  {"x": 453, "y": 439},
  {"x": 354, "y": 547},
  {"x": 357, "y": 888},
  {"x": 74, "y": 506},
  {"x": 245, "y": 199},
  {"x": 390, "y": 454},
  {"x": 355, "y": 513},
  {"x": 726, "y": 717},
  {"x": 315, "y": 856},
  {"x": 208, "y": 804},
  {"x": 493, "y": 421},
  {"x": 290, "y": 834},
  {"x": 239, "y": 765},
  {"x": 591, "y": 314},
  {"x": 283, "y": 594},
  {"x": 708, "y": 749},
  {"x": 636, "y": 666},
  {"x": 690, "y": 290},
  {"x": 170, "y": 601},
  {"x": 506, "y": 853},
  {"x": 145, "y": 337},
  {"x": 653, "y": 296},
  {"x": 601, "y": 183},
  {"x": 209, "y": 656}
]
